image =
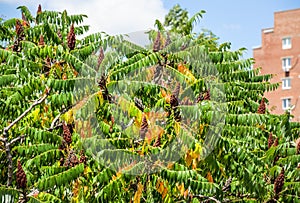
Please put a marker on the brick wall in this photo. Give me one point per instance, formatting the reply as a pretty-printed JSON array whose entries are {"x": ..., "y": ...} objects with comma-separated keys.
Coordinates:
[{"x": 269, "y": 58}]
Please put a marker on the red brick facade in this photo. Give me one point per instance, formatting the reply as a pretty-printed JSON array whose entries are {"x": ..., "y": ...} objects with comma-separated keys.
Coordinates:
[{"x": 281, "y": 46}]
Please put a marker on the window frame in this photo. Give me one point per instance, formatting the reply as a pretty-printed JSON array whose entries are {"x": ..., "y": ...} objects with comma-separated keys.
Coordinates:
[
  {"x": 284, "y": 44},
  {"x": 286, "y": 85},
  {"x": 283, "y": 101},
  {"x": 284, "y": 62}
]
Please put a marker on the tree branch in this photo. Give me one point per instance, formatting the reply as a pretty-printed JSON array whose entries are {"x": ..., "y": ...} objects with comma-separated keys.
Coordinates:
[
  {"x": 8, "y": 144},
  {"x": 206, "y": 197},
  {"x": 3, "y": 140},
  {"x": 37, "y": 102}
]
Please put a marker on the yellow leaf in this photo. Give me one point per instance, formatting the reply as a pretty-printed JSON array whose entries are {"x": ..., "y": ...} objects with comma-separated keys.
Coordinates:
[
  {"x": 68, "y": 117},
  {"x": 87, "y": 170},
  {"x": 181, "y": 188},
  {"x": 138, "y": 193},
  {"x": 177, "y": 128},
  {"x": 36, "y": 114},
  {"x": 188, "y": 159}
]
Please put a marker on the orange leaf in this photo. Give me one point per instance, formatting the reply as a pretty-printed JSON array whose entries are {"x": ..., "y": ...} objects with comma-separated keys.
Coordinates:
[
  {"x": 209, "y": 177},
  {"x": 163, "y": 93},
  {"x": 186, "y": 193}
]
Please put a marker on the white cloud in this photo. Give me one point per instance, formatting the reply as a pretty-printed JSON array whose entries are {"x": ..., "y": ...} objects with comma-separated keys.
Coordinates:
[
  {"x": 110, "y": 16},
  {"x": 232, "y": 26}
]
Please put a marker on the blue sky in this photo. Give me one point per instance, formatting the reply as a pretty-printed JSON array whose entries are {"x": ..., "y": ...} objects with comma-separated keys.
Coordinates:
[{"x": 237, "y": 21}]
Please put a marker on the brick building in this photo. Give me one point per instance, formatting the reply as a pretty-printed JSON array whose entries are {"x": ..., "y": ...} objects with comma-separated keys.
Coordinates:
[{"x": 279, "y": 54}]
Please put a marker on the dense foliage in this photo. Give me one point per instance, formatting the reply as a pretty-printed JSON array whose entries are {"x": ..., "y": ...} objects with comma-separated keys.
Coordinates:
[{"x": 97, "y": 118}]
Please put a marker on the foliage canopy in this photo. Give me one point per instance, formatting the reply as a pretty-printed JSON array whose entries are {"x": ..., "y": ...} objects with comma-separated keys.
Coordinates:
[{"x": 95, "y": 119}]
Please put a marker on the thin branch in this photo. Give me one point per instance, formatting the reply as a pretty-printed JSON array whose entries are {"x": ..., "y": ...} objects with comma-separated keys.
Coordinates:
[
  {"x": 16, "y": 139},
  {"x": 3, "y": 140},
  {"x": 10, "y": 164},
  {"x": 53, "y": 126},
  {"x": 206, "y": 197},
  {"x": 37, "y": 102}
]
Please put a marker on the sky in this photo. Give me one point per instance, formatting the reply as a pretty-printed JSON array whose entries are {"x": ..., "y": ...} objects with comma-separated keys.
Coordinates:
[{"x": 236, "y": 21}]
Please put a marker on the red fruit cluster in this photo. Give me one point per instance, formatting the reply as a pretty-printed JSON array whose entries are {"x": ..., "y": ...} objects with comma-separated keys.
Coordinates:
[
  {"x": 41, "y": 42},
  {"x": 157, "y": 142},
  {"x": 83, "y": 158},
  {"x": 19, "y": 28},
  {"x": 174, "y": 105},
  {"x": 21, "y": 177},
  {"x": 270, "y": 140},
  {"x": 39, "y": 10},
  {"x": 157, "y": 44},
  {"x": 262, "y": 107},
  {"x": 71, "y": 160},
  {"x": 144, "y": 127},
  {"x": 207, "y": 95},
  {"x": 276, "y": 142},
  {"x": 278, "y": 183},
  {"x": 100, "y": 58},
  {"x": 71, "y": 38},
  {"x": 20, "y": 35},
  {"x": 102, "y": 82},
  {"x": 67, "y": 135},
  {"x": 173, "y": 101}
]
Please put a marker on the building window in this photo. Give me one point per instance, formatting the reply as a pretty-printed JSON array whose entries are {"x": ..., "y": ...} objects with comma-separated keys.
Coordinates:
[
  {"x": 286, "y": 64},
  {"x": 286, "y": 103},
  {"x": 286, "y": 43},
  {"x": 286, "y": 83}
]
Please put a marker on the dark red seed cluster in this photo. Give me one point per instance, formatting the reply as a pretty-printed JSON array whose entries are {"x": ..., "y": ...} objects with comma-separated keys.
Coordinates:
[
  {"x": 71, "y": 38},
  {"x": 39, "y": 10},
  {"x": 278, "y": 183},
  {"x": 276, "y": 142},
  {"x": 71, "y": 160},
  {"x": 83, "y": 158},
  {"x": 262, "y": 107},
  {"x": 173, "y": 101},
  {"x": 100, "y": 58},
  {"x": 67, "y": 135},
  {"x": 157, "y": 44},
  {"x": 21, "y": 177},
  {"x": 157, "y": 142},
  {"x": 144, "y": 127},
  {"x": 270, "y": 140},
  {"x": 207, "y": 95},
  {"x": 41, "y": 41},
  {"x": 20, "y": 36}
]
